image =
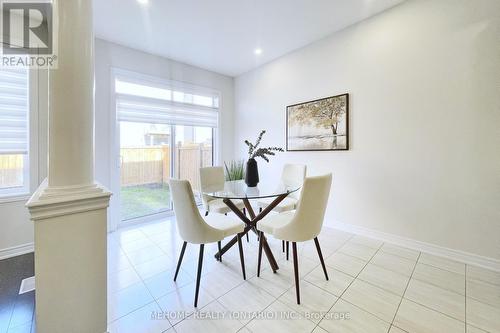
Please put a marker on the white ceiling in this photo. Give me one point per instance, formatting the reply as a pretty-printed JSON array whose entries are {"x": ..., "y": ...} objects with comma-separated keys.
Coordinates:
[{"x": 221, "y": 35}]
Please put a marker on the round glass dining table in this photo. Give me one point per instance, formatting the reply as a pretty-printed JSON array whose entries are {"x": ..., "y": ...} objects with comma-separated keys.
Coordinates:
[{"x": 238, "y": 190}]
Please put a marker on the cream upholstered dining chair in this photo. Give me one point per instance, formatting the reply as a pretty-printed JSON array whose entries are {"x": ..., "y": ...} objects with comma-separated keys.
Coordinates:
[
  {"x": 302, "y": 225},
  {"x": 213, "y": 178},
  {"x": 292, "y": 174},
  {"x": 195, "y": 229}
]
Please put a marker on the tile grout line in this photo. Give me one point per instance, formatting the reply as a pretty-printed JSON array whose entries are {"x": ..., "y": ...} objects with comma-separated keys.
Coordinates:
[
  {"x": 441, "y": 268},
  {"x": 277, "y": 298},
  {"x": 156, "y": 302},
  {"x": 19, "y": 274},
  {"x": 439, "y": 312},
  {"x": 289, "y": 288},
  {"x": 217, "y": 300},
  {"x": 465, "y": 291},
  {"x": 342, "y": 293},
  {"x": 420, "y": 280},
  {"x": 433, "y": 309},
  {"x": 404, "y": 292},
  {"x": 14, "y": 305},
  {"x": 33, "y": 320},
  {"x": 145, "y": 286},
  {"x": 144, "y": 283},
  {"x": 355, "y": 278},
  {"x": 413, "y": 301},
  {"x": 379, "y": 287},
  {"x": 11, "y": 313},
  {"x": 444, "y": 289},
  {"x": 214, "y": 300},
  {"x": 373, "y": 285},
  {"x": 436, "y": 285},
  {"x": 156, "y": 244}
]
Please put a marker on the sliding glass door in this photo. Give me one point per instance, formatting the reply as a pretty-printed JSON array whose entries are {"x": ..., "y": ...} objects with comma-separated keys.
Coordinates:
[
  {"x": 147, "y": 162},
  {"x": 166, "y": 129},
  {"x": 145, "y": 168}
]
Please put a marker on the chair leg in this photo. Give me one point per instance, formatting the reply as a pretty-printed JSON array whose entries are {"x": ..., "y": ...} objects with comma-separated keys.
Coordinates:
[
  {"x": 242, "y": 259},
  {"x": 283, "y": 245},
  {"x": 296, "y": 270},
  {"x": 198, "y": 276},
  {"x": 318, "y": 248},
  {"x": 245, "y": 213},
  {"x": 259, "y": 258},
  {"x": 206, "y": 213},
  {"x": 180, "y": 260},
  {"x": 219, "y": 245},
  {"x": 287, "y": 249}
]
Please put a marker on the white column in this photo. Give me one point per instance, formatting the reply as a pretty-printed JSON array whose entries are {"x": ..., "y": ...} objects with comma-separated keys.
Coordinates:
[
  {"x": 71, "y": 97},
  {"x": 69, "y": 209}
]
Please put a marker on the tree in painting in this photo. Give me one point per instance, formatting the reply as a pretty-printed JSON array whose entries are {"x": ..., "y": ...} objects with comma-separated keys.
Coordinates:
[{"x": 325, "y": 114}]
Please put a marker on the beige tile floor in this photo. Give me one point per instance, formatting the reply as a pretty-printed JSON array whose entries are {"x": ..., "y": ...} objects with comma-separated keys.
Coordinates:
[{"x": 373, "y": 287}]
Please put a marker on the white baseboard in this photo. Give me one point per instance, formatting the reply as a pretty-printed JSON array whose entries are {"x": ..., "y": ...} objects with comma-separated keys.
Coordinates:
[
  {"x": 16, "y": 250},
  {"x": 457, "y": 255}
]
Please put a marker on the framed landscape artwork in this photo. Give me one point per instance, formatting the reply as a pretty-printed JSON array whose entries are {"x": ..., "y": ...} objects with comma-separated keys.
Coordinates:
[{"x": 322, "y": 124}]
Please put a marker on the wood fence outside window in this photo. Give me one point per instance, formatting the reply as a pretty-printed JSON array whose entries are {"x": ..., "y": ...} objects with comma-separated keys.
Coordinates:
[{"x": 151, "y": 165}]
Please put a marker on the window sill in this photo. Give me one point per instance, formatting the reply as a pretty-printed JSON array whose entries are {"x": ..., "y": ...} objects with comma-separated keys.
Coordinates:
[{"x": 10, "y": 198}]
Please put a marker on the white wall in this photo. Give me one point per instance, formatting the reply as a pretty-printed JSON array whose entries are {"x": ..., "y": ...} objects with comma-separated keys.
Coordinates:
[
  {"x": 424, "y": 84},
  {"x": 16, "y": 236},
  {"x": 109, "y": 55}
]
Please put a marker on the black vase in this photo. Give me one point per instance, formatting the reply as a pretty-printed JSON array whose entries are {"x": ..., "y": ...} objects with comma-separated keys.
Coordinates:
[{"x": 252, "y": 173}]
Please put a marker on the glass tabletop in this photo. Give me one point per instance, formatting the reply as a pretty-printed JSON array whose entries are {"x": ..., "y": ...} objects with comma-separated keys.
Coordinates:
[{"x": 237, "y": 189}]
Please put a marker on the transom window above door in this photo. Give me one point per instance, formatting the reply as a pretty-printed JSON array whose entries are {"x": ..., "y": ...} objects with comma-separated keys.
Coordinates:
[{"x": 163, "y": 91}]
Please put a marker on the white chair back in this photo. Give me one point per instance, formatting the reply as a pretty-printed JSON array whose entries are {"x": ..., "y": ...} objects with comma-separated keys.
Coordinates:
[
  {"x": 191, "y": 226},
  {"x": 294, "y": 174},
  {"x": 308, "y": 219},
  {"x": 211, "y": 178}
]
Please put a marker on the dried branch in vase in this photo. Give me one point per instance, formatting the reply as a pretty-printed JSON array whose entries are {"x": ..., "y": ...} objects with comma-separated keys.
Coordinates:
[{"x": 264, "y": 153}]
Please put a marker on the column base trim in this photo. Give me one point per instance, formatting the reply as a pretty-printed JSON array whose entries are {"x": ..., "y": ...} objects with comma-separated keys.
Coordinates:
[{"x": 49, "y": 202}]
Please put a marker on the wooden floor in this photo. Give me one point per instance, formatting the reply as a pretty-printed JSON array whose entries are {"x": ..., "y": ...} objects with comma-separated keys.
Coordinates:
[{"x": 16, "y": 311}]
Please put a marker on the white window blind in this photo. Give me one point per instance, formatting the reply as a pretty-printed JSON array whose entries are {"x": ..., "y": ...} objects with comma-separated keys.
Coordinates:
[
  {"x": 161, "y": 102},
  {"x": 13, "y": 111}
]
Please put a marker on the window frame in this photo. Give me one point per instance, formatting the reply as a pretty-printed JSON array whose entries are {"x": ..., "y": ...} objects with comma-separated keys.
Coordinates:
[
  {"x": 30, "y": 159},
  {"x": 158, "y": 82}
]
